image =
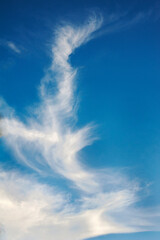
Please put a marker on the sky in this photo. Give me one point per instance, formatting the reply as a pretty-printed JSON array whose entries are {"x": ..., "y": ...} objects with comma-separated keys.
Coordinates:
[{"x": 79, "y": 120}]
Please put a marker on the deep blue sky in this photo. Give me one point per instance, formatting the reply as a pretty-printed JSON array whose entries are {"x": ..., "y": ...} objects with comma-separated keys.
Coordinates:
[{"x": 118, "y": 81}]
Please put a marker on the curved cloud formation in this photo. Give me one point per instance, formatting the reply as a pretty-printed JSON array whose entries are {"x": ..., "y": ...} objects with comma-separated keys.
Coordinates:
[
  {"x": 47, "y": 141},
  {"x": 49, "y": 133}
]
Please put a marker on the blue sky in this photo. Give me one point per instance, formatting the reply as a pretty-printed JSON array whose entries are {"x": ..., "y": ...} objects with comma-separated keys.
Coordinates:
[{"x": 80, "y": 125}]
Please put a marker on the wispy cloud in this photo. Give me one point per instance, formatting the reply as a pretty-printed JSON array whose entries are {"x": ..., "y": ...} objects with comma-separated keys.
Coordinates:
[
  {"x": 120, "y": 21},
  {"x": 10, "y": 45},
  {"x": 32, "y": 210},
  {"x": 13, "y": 47},
  {"x": 49, "y": 132},
  {"x": 49, "y": 142}
]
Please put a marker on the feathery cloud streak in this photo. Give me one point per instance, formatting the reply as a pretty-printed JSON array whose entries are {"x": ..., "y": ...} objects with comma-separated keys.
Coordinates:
[
  {"x": 49, "y": 133},
  {"x": 12, "y": 46},
  {"x": 30, "y": 210},
  {"x": 48, "y": 140}
]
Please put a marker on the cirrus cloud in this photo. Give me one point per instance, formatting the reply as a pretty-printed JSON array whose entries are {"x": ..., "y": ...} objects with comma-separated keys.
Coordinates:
[{"x": 49, "y": 141}]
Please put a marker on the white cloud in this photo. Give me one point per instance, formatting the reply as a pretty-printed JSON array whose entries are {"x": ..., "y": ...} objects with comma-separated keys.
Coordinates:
[
  {"x": 13, "y": 47},
  {"x": 49, "y": 132},
  {"x": 30, "y": 210},
  {"x": 48, "y": 142}
]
